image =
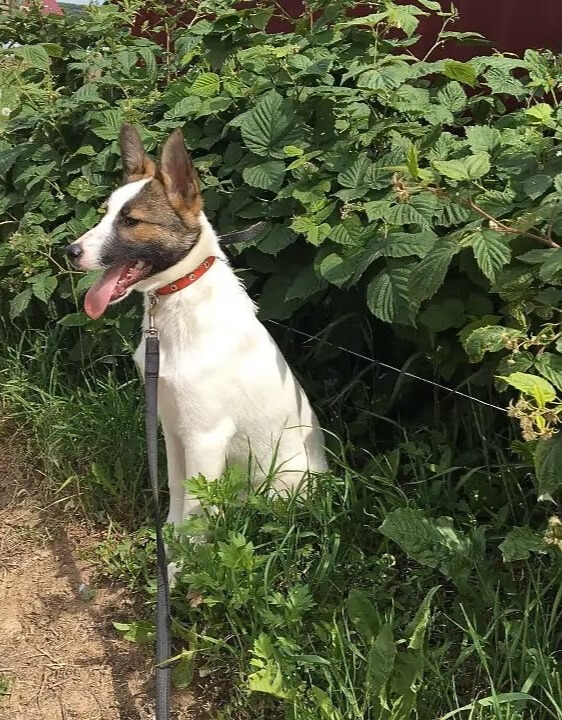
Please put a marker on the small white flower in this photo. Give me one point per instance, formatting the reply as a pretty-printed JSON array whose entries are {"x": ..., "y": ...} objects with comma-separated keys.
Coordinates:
[
  {"x": 559, "y": 153},
  {"x": 5, "y": 112}
]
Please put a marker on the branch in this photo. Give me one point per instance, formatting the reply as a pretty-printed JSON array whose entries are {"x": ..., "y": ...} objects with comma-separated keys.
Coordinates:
[{"x": 543, "y": 239}]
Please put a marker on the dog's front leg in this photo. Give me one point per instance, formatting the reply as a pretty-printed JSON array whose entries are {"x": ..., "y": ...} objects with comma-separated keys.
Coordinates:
[
  {"x": 175, "y": 461},
  {"x": 204, "y": 454}
]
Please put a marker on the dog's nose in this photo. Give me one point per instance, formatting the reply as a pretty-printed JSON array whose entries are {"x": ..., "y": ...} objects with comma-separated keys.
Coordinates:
[{"x": 74, "y": 251}]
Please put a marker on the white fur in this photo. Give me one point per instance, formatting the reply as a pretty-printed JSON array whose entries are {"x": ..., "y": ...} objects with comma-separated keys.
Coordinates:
[
  {"x": 92, "y": 241},
  {"x": 226, "y": 394}
]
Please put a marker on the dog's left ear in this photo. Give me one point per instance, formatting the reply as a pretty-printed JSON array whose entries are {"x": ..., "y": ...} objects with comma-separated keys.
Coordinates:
[
  {"x": 136, "y": 163},
  {"x": 179, "y": 176}
]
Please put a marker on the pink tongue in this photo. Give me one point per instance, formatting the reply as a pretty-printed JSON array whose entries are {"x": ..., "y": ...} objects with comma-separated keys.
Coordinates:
[{"x": 98, "y": 296}]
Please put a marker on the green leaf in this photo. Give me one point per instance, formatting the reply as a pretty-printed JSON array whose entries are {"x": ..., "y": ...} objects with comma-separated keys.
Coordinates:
[
  {"x": 305, "y": 284},
  {"x": 74, "y": 320},
  {"x": 432, "y": 542},
  {"x": 548, "y": 464},
  {"x": 140, "y": 631},
  {"x": 472, "y": 167},
  {"x": 44, "y": 286},
  {"x": 490, "y": 338},
  {"x": 8, "y": 157},
  {"x": 380, "y": 661},
  {"x": 429, "y": 274},
  {"x": 270, "y": 126},
  {"x": 33, "y": 55},
  {"x": 399, "y": 244},
  {"x": 442, "y": 315},
  {"x": 416, "y": 630},
  {"x": 491, "y": 251},
  {"x": 388, "y": 297},
  {"x": 206, "y": 85},
  {"x": 482, "y": 138},
  {"x": 363, "y": 615},
  {"x": 550, "y": 367},
  {"x": 537, "y": 185},
  {"x": 268, "y": 175},
  {"x": 491, "y": 701},
  {"x": 520, "y": 543},
  {"x": 20, "y": 302},
  {"x": 538, "y": 388},
  {"x": 452, "y": 97},
  {"x": 558, "y": 182},
  {"x": 462, "y": 71}
]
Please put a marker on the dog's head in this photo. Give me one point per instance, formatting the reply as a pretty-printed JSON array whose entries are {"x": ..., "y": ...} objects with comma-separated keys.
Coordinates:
[{"x": 152, "y": 221}]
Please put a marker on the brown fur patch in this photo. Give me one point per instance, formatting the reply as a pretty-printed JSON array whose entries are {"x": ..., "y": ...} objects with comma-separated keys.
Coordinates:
[{"x": 136, "y": 163}]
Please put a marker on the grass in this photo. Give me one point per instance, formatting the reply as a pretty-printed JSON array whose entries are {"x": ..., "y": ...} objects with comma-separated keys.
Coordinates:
[{"x": 358, "y": 602}]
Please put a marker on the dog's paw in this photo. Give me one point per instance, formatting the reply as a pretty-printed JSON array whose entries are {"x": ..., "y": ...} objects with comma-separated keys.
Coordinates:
[{"x": 173, "y": 569}]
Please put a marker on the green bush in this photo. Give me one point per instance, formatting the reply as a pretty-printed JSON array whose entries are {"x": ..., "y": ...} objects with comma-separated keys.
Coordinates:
[
  {"x": 413, "y": 215},
  {"x": 417, "y": 201}
]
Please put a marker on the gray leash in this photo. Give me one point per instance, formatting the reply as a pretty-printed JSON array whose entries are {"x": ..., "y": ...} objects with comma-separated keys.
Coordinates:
[{"x": 163, "y": 641}]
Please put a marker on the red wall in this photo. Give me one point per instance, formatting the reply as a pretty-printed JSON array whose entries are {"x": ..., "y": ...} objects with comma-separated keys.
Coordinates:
[{"x": 510, "y": 25}]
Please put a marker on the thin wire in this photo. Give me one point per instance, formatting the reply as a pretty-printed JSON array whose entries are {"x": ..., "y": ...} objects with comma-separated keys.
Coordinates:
[{"x": 387, "y": 366}]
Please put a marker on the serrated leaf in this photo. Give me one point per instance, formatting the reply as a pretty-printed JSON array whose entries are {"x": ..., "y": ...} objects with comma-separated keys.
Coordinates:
[
  {"x": 406, "y": 214},
  {"x": 461, "y": 71},
  {"x": 33, "y": 55},
  {"x": 305, "y": 284},
  {"x": 44, "y": 287},
  {"x": 277, "y": 239},
  {"x": 20, "y": 302},
  {"x": 548, "y": 461},
  {"x": 380, "y": 661},
  {"x": 550, "y": 367},
  {"x": 268, "y": 175},
  {"x": 206, "y": 85},
  {"x": 429, "y": 274},
  {"x": 537, "y": 185},
  {"x": 538, "y": 388},
  {"x": 388, "y": 297},
  {"x": 482, "y": 138},
  {"x": 398, "y": 245},
  {"x": 270, "y": 126},
  {"x": 491, "y": 251},
  {"x": 8, "y": 157},
  {"x": 433, "y": 542},
  {"x": 558, "y": 182},
  {"x": 490, "y": 338},
  {"x": 520, "y": 543},
  {"x": 472, "y": 167},
  {"x": 452, "y": 97}
]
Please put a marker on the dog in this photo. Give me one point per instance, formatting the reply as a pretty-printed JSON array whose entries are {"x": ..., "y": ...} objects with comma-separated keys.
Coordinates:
[{"x": 226, "y": 394}]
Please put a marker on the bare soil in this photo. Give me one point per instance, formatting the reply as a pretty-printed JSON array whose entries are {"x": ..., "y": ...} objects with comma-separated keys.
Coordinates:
[{"x": 60, "y": 656}]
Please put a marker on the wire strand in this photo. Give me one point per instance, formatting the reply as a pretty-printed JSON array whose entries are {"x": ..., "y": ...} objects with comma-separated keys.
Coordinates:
[{"x": 389, "y": 367}]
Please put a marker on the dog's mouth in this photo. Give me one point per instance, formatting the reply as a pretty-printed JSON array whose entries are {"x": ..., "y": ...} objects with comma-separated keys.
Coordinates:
[{"x": 113, "y": 286}]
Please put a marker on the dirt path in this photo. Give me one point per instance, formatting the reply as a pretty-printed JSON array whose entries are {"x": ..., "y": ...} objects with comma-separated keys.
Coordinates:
[{"x": 60, "y": 657}]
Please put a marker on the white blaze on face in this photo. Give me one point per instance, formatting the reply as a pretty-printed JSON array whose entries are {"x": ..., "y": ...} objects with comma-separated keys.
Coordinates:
[{"x": 93, "y": 241}]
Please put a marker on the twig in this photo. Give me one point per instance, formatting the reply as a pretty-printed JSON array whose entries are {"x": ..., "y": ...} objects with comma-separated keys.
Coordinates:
[{"x": 543, "y": 239}]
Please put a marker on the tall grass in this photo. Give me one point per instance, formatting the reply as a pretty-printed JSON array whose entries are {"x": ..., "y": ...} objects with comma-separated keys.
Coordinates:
[{"x": 302, "y": 608}]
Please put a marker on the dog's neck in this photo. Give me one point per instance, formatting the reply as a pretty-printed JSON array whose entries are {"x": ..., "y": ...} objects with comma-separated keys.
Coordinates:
[{"x": 213, "y": 300}]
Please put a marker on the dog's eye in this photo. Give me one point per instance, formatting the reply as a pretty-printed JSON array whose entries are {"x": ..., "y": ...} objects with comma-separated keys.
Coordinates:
[{"x": 131, "y": 221}]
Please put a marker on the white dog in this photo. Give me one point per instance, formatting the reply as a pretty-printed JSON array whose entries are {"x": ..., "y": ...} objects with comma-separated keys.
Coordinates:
[{"x": 226, "y": 394}]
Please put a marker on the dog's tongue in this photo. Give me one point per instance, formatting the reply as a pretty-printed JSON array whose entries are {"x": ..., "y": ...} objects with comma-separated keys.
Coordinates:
[{"x": 98, "y": 296}]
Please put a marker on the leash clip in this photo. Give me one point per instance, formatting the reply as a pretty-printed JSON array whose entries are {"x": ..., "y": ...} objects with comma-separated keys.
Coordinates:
[{"x": 152, "y": 330}]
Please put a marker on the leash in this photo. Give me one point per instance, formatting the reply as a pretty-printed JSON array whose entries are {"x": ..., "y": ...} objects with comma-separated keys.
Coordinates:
[
  {"x": 163, "y": 671},
  {"x": 163, "y": 642}
]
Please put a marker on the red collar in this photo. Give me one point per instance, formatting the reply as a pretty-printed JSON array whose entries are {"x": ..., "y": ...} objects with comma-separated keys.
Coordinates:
[{"x": 188, "y": 279}]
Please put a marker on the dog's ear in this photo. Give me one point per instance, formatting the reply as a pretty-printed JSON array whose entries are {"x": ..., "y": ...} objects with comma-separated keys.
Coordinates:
[
  {"x": 136, "y": 163},
  {"x": 179, "y": 177}
]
